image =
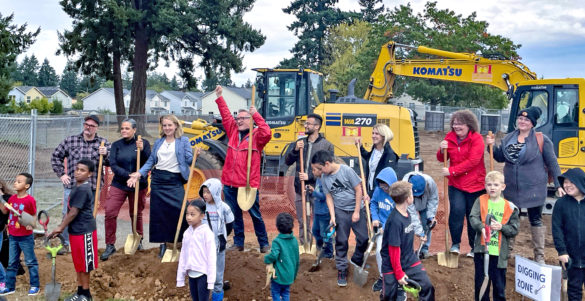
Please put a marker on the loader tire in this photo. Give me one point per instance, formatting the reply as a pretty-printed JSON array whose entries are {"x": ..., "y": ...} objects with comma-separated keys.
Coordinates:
[{"x": 207, "y": 166}]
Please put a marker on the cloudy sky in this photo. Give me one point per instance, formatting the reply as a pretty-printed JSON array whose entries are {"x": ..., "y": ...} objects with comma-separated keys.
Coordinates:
[{"x": 552, "y": 32}]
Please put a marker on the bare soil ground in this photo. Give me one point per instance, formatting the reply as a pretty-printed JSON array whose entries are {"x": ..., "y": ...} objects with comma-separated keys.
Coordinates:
[{"x": 143, "y": 277}]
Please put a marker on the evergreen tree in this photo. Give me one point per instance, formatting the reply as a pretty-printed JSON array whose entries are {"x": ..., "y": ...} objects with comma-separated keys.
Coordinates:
[
  {"x": 14, "y": 40},
  {"x": 314, "y": 19},
  {"x": 47, "y": 76},
  {"x": 174, "y": 83},
  {"x": 69, "y": 81},
  {"x": 217, "y": 78},
  {"x": 90, "y": 83},
  {"x": 29, "y": 69},
  {"x": 369, "y": 11}
]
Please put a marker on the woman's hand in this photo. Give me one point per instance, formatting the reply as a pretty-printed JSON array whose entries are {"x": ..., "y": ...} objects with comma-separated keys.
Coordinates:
[
  {"x": 218, "y": 91},
  {"x": 444, "y": 144},
  {"x": 102, "y": 150},
  {"x": 445, "y": 171},
  {"x": 564, "y": 258},
  {"x": 358, "y": 140},
  {"x": 303, "y": 176},
  {"x": 134, "y": 177},
  {"x": 490, "y": 139},
  {"x": 139, "y": 144}
]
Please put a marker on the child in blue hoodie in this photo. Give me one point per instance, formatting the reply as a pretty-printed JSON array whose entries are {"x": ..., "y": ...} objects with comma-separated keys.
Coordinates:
[{"x": 321, "y": 217}]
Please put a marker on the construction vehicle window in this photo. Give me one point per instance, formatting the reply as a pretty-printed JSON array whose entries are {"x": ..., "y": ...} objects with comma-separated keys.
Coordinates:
[
  {"x": 536, "y": 98},
  {"x": 567, "y": 107},
  {"x": 316, "y": 90},
  {"x": 281, "y": 95}
]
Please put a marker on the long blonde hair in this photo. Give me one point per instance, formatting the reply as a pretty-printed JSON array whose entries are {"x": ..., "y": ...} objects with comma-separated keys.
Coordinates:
[
  {"x": 385, "y": 131},
  {"x": 175, "y": 120}
]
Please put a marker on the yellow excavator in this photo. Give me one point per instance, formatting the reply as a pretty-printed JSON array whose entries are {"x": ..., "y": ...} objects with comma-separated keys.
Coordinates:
[{"x": 562, "y": 101}]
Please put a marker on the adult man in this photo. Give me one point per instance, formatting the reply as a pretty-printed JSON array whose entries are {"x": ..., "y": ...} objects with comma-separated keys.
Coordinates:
[
  {"x": 310, "y": 144},
  {"x": 235, "y": 167},
  {"x": 426, "y": 200},
  {"x": 81, "y": 146}
]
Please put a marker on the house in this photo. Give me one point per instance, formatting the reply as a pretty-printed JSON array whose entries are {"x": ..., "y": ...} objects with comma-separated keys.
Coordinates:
[
  {"x": 24, "y": 93},
  {"x": 175, "y": 98},
  {"x": 191, "y": 103},
  {"x": 236, "y": 99},
  {"x": 160, "y": 105},
  {"x": 149, "y": 95},
  {"x": 55, "y": 93},
  {"x": 102, "y": 99}
]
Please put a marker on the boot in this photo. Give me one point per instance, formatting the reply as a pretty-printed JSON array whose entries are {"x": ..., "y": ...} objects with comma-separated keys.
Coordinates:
[
  {"x": 217, "y": 296},
  {"x": 538, "y": 243},
  {"x": 110, "y": 250}
]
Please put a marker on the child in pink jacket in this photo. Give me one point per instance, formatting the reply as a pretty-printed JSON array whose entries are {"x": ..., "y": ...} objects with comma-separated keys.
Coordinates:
[{"x": 197, "y": 259}]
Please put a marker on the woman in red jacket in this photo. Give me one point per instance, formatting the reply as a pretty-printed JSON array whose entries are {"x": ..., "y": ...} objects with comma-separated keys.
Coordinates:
[{"x": 466, "y": 172}]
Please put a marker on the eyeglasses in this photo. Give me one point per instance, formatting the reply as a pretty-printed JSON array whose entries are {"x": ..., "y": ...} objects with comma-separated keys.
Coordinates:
[
  {"x": 89, "y": 125},
  {"x": 242, "y": 118},
  {"x": 458, "y": 124},
  {"x": 311, "y": 124}
]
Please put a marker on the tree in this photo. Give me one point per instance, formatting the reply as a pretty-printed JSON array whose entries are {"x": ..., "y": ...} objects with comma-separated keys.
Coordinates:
[
  {"x": 248, "y": 84},
  {"x": 29, "y": 71},
  {"x": 369, "y": 11},
  {"x": 47, "y": 76},
  {"x": 217, "y": 78},
  {"x": 174, "y": 83},
  {"x": 14, "y": 40},
  {"x": 90, "y": 83},
  {"x": 314, "y": 19},
  {"x": 69, "y": 80}
]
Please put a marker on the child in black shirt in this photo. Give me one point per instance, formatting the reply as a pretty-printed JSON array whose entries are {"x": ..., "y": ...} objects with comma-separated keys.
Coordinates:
[{"x": 399, "y": 261}]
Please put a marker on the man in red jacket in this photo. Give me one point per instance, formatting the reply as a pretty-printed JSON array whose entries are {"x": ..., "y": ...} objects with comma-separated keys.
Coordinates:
[{"x": 235, "y": 167}]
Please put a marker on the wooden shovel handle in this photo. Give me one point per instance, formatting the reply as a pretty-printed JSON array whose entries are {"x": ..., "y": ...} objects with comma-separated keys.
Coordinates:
[
  {"x": 303, "y": 199},
  {"x": 446, "y": 201},
  {"x": 96, "y": 201},
  {"x": 182, "y": 214},
  {"x": 250, "y": 134},
  {"x": 364, "y": 192},
  {"x": 136, "y": 188},
  {"x": 491, "y": 147}
]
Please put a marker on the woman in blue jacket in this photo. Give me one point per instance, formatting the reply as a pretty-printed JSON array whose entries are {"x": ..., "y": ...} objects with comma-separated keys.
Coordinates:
[{"x": 170, "y": 162}]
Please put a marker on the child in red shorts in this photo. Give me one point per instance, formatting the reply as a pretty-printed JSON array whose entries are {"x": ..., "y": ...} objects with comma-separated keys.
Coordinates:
[{"x": 82, "y": 229}]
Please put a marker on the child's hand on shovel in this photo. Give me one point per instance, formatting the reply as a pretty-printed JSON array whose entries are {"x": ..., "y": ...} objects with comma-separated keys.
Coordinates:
[
  {"x": 270, "y": 274},
  {"x": 403, "y": 280}
]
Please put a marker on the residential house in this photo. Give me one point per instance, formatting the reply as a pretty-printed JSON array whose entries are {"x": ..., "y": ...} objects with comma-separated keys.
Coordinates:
[
  {"x": 236, "y": 99},
  {"x": 55, "y": 93},
  {"x": 160, "y": 105},
  {"x": 24, "y": 93},
  {"x": 175, "y": 100},
  {"x": 102, "y": 99},
  {"x": 149, "y": 95},
  {"x": 191, "y": 103}
]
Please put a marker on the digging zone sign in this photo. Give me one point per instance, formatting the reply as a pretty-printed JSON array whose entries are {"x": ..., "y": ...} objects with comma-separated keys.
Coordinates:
[{"x": 537, "y": 281}]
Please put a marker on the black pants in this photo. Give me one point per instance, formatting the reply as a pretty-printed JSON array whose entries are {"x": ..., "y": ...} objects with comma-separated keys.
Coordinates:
[
  {"x": 360, "y": 229},
  {"x": 497, "y": 278},
  {"x": 535, "y": 216},
  {"x": 198, "y": 288},
  {"x": 416, "y": 273},
  {"x": 460, "y": 203},
  {"x": 575, "y": 284}
]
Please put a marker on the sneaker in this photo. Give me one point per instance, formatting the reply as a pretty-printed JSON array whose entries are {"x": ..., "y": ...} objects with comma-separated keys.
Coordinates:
[
  {"x": 64, "y": 250},
  {"x": 342, "y": 278},
  {"x": 470, "y": 254},
  {"x": 110, "y": 250},
  {"x": 235, "y": 247},
  {"x": 264, "y": 249},
  {"x": 424, "y": 254},
  {"x": 6, "y": 292},
  {"x": 140, "y": 246},
  {"x": 76, "y": 297},
  {"x": 455, "y": 249},
  {"x": 378, "y": 285},
  {"x": 2, "y": 286},
  {"x": 33, "y": 291}
]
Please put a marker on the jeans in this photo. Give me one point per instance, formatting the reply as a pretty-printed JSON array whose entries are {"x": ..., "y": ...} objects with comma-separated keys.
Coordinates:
[
  {"x": 220, "y": 262},
  {"x": 279, "y": 292},
  {"x": 423, "y": 221},
  {"x": 320, "y": 224},
  {"x": 26, "y": 244},
  {"x": 417, "y": 273},
  {"x": 497, "y": 278},
  {"x": 116, "y": 199},
  {"x": 460, "y": 203},
  {"x": 231, "y": 198},
  {"x": 2, "y": 271},
  {"x": 198, "y": 288}
]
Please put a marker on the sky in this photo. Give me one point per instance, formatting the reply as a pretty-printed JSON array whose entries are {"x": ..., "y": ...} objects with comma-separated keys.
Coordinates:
[{"x": 551, "y": 32}]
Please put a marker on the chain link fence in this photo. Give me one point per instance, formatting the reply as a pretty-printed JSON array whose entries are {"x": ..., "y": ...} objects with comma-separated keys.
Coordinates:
[{"x": 437, "y": 118}]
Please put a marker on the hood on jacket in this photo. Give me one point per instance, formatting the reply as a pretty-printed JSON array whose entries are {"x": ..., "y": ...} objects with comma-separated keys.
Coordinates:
[
  {"x": 387, "y": 175},
  {"x": 214, "y": 185},
  {"x": 577, "y": 176}
]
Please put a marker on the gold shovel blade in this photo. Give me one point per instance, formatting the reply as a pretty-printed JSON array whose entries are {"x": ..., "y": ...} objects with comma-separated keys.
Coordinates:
[
  {"x": 171, "y": 255},
  {"x": 132, "y": 243},
  {"x": 246, "y": 197},
  {"x": 448, "y": 259}
]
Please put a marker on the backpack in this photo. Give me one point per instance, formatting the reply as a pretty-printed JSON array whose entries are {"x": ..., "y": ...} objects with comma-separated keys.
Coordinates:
[{"x": 540, "y": 141}]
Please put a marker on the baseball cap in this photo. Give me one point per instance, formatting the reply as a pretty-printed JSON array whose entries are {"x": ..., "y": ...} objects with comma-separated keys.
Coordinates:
[
  {"x": 94, "y": 118},
  {"x": 418, "y": 185}
]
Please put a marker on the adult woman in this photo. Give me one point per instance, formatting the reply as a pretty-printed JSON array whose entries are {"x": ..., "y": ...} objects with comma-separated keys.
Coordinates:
[
  {"x": 170, "y": 161},
  {"x": 381, "y": 155},
  {"x": 526, "y": 162},
  {"x": 123, "y": 163},
  {"x": 466, "y": 172}
]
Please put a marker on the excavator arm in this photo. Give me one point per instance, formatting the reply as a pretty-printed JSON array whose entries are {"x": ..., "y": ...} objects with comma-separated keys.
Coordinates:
[{"x": 459, "y": 67}]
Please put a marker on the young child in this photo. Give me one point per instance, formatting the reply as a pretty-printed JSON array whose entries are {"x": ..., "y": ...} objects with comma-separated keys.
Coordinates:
[
  {"x": 381, "y": 206},
  {"x": 568, "y": 230},
  {"x": 321, "y": 215},
  {"x": 343, "y": 191},
  {"x": 400, "y": 261},
  {"x": 21, "y": 238},
  {"x": 82, "y": 229},
  {"x": 6, "y": 193},
  {"x": 284, "y": 255},
  {"x": 426, "y": 200},
  {"x": 198, "y": 254},
  {"x": 503, "y": 226},
  {"x": 221, "y": 217}
]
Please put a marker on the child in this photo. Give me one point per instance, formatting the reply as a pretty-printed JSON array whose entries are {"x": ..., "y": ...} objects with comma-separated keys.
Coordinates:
[
  {"x": 343, "y": 191},
  {"x": 381, "y": 206},
  {"x": 284, "y": 255},
  {"x": 321, "y": 215},
  {"x": 426, "y": 200},
  {"x": 198, "y": 254},
  {"x": 21, "y": 238},
  {"x": 82, "y": 229},
  {"x": 569, "y": 231},
  {"x": 6, "y": 193},
  {"x": 503, "y": 226},
  {"x": 221, "y": 217},
  {"x": 400, "y": 261}
]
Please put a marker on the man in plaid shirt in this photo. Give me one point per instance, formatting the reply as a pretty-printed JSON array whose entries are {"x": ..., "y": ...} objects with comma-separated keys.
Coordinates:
[{"x": 82, "y": 146}]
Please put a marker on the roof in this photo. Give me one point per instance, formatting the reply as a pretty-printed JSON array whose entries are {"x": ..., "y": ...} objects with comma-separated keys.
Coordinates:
[
  {"x": 24, "y": 89},
  {"x": 50, "y": 91},
  {"x": 242, "y": 92},
  {"x": 150, "y": 94},
  {"x": 195, "y": 95},
  {"x": 111, "y": 90},
  {"x": 163, "y": 98},
  {"x": 177, "y": 94}
]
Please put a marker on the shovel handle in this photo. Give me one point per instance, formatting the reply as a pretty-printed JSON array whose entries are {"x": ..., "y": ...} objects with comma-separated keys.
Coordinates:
[
  {"x": 491, "y": 147},
  {"x": 250, "y": 134},
  {"x": 136, "y": 188},
  {"x": 44, "y": 221},
  {"x": 182, "y": 214},
  {"x": 303, "y": 200},
  {"x": 96, "y": 200},
  {"x": 364, "y": 190},
  {"x": 446, "y": 200},
  {"x": 10, "y": 208}
]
